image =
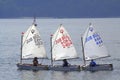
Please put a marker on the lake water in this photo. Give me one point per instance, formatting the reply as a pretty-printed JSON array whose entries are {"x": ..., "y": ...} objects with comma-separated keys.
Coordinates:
[{"x": 10, "y": 35}]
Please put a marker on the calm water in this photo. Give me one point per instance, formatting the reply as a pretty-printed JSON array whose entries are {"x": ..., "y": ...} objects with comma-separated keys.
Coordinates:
[{"x": 10, "y": 33}]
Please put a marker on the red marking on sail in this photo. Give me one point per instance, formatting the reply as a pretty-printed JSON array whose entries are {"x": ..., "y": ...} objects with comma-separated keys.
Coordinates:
[
  {"x": 64, "y": 41},
  {"x": 61, "y": 31}
]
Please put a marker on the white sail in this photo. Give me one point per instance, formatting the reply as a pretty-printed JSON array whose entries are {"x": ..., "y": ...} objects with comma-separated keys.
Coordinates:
[
  {"x": 93, "y": 45},
  {"x": 32, "y": 45},
  {"x": 62, "y": 46}
]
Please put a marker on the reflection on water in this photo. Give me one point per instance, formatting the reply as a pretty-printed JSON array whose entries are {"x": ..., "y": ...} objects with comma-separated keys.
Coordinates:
[
  {"x": 48, "y": 75},
  {"x": 32, "y": 75},
  {"x": 101, "y": 75}
]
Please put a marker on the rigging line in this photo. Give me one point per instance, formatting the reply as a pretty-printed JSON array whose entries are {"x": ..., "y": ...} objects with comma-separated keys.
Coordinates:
[
  {"x": 34, "y": 21},
  {"x": 83, "y": 45},
  {"x": 56, "y": 35},
  {"x": 87, "y": 33},
  {"x": 41, "y": 61},
  {"x": 27, "y": 35}
]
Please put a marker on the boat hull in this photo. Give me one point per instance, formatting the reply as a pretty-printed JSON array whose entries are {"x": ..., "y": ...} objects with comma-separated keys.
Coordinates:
[
  {"x": 31, "y": 67},
  {"x": 99, "y": 67},
  {"x": 61, "y": 68}
]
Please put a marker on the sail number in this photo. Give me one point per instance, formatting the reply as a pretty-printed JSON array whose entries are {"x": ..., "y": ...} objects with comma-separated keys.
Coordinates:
[
  {"x": 37, "y": 40},
  {"x": 64, "y": 41},
  {"x": 29, "y": 40}
]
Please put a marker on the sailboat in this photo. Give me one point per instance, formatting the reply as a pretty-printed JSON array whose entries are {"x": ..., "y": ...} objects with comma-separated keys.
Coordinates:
[
  {"x": 62, "y": 48},
  {"x": 32, "y": 46},
  {"x": 93, "y": 48}
]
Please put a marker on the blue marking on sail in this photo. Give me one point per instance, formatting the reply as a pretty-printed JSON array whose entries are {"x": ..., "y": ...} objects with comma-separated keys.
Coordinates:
[
  {"x": 97, "y": 39},
  {"x": 91, "y": 29},
  {"x": 88, "y": 38}
]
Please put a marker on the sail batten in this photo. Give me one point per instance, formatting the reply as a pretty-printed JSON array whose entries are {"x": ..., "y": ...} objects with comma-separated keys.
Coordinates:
[
  {"x": 32, "y": 44},
  {"x": 62, "y": 46},
  {"x": 93, "y": 45}
]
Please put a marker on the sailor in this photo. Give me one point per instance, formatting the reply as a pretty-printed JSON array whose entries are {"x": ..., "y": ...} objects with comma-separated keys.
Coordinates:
[
  {"x": 35, "y": 61},
  {"x": 92, "y": 63},
  {"x": 65, "y": 63}
]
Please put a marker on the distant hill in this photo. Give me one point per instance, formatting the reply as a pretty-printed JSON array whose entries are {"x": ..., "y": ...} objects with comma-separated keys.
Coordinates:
[{"x": 59, "y": 8}]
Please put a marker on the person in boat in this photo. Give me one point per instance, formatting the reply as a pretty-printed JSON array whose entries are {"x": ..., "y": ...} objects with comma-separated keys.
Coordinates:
[
  {"x": 35, "y": 61},
  {"x": 65, "y": 63},
  {"x": 92, "y": 63}
]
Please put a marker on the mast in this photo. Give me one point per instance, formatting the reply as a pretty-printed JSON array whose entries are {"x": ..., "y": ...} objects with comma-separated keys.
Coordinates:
[
  {"x": 21, "y": 48},
  {"x": 83, "y": 46},
  {"x": 83, "y": 51},
  {"x": 34, "y": 21},
  {"x": 51, "y": 49}
]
